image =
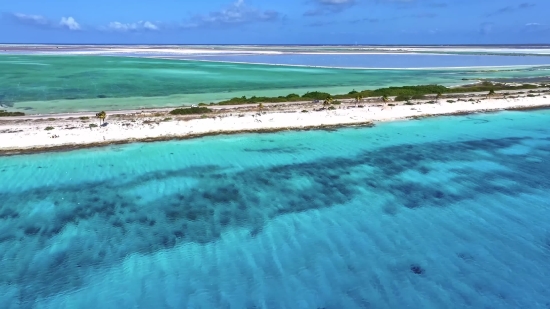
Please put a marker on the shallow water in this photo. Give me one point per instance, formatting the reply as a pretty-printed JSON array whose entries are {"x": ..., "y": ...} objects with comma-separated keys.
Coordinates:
[
  {"x": 396, "y": 61},
  {"x": 439, "y": 213},
  {"x": 53, "y": 84}
]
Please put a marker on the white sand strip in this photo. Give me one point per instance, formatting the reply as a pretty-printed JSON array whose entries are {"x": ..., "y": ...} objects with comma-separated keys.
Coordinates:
[{"x": 28, "y": 134}]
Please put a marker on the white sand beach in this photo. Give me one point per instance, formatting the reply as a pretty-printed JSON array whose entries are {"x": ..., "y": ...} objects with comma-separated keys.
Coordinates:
[
  {"x": 28, "y": 134},
  {"x": 187, "y": 50}
]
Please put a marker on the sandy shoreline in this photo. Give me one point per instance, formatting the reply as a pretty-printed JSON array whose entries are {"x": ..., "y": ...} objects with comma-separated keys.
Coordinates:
[
  {"x": 264, "y": 50},
  {"x": 29, "y": 135}
]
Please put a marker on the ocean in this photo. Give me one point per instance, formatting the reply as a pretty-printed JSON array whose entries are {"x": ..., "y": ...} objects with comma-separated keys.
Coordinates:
[
  {"x": 448, "y": 212},
  {"x": 45, "y": 84}
]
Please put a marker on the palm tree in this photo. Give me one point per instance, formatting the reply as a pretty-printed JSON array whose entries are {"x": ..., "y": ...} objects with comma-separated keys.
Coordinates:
[
  {"x": 101, "y": 115},
  {"x": 491, "y": 93},
  {"x": 327, "y": 101},
  {"x": 385, "y": 99},
  {"x": 358, "y": 99},
  {"x": 438, "y": 97},
  {"x": 260, "y": 107}
]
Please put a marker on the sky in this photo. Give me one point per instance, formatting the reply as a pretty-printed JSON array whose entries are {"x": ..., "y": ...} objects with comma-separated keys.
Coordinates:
[{"x": 275, "y": 22}]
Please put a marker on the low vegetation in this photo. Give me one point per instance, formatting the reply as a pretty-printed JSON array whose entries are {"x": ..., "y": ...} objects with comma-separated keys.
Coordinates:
[
  {"x": 190, "y": 111},
  {"x": 4, "y": 113},
  {"x": 401, "y": 98},
  {"x": 49, "y": 128},
  {"x": 403, "y": 93}
]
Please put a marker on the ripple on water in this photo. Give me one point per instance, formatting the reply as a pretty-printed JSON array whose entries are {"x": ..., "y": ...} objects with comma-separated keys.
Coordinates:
[{"x": 438, "y": 222}]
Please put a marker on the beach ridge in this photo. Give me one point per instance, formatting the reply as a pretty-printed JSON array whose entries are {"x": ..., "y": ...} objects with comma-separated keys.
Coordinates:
[{"x": 28, "y": 136}]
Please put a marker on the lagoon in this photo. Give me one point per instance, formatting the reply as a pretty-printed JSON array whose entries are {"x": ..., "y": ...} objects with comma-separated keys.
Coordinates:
[{"x": 45, "y": 84}]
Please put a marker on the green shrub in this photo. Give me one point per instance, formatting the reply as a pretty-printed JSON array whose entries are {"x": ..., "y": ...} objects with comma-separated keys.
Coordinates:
[
  {"x": 407, "y": 91},
  {"x": 4, "y": 113},
  {"x": 390, "y": 104},
  {"x": 49, "y": 128},
  {"x": 336, "y": 103},
  {"x": 331, "y": 108},
  {"x": 401, "y": 98},
  {"x": 316, "y": 95},
  {"x": 166, "y": 119},
  {"x": 409, "y": 103},
  {"x": 450, "y": 101},
  {"x": 83, "y": 118},
  {"x": 304, "y": 111},
  {"x": 531, "y": 95},
  {"x": 403, "y": 93},
  {"x": 190, "y": 111},
  {"x": 93, "y": 125}
]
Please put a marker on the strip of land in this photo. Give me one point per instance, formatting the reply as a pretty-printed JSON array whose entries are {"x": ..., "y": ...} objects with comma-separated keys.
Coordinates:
[{"x": 27, "y": 134}]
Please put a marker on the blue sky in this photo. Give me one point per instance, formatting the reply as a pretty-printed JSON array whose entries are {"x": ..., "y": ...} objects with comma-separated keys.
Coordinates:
[{"x": 276, "y": 22}]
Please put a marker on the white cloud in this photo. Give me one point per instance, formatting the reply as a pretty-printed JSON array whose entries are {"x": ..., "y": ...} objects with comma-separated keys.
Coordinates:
[
  {"x": 335, "y": 2},
  {"x": 536, "y": 27},
  {"x": 37, "y": 20},
  {"x": 236, "y": 13},
  {"x": 325, "y": 7},
  {"x": 40, "y": 21},
  {"x": 69, "y": 23},
  {"x": 125, "y": 27},
  {"x": 150, "y": 26}
]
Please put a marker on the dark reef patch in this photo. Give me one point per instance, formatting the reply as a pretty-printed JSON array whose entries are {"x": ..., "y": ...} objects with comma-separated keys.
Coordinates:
[
  {"x": 226, "y": 199},
  {"x": 276, "y": 150},
  {"x": 417, "y": 269}
]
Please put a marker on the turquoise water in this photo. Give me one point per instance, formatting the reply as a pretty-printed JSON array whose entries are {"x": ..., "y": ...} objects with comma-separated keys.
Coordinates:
[
  {"x": 38, "y": 84},
  {"x": 396, "y": 61},
  {"x": 439, "y": 213}
]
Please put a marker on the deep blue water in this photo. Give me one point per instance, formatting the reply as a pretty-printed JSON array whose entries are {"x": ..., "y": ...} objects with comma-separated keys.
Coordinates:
[
  {"x": 440, "y": 213},
  {"x": 382, "y": 60}
]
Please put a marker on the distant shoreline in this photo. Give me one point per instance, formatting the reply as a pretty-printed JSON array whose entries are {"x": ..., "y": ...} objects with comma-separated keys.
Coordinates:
[
  {"x": 182, "y": 57},
  {"x": 534, "y": 66}
]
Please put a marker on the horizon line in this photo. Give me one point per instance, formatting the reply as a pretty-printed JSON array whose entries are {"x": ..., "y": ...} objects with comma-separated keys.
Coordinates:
[{"x": 273, "y": 44}]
